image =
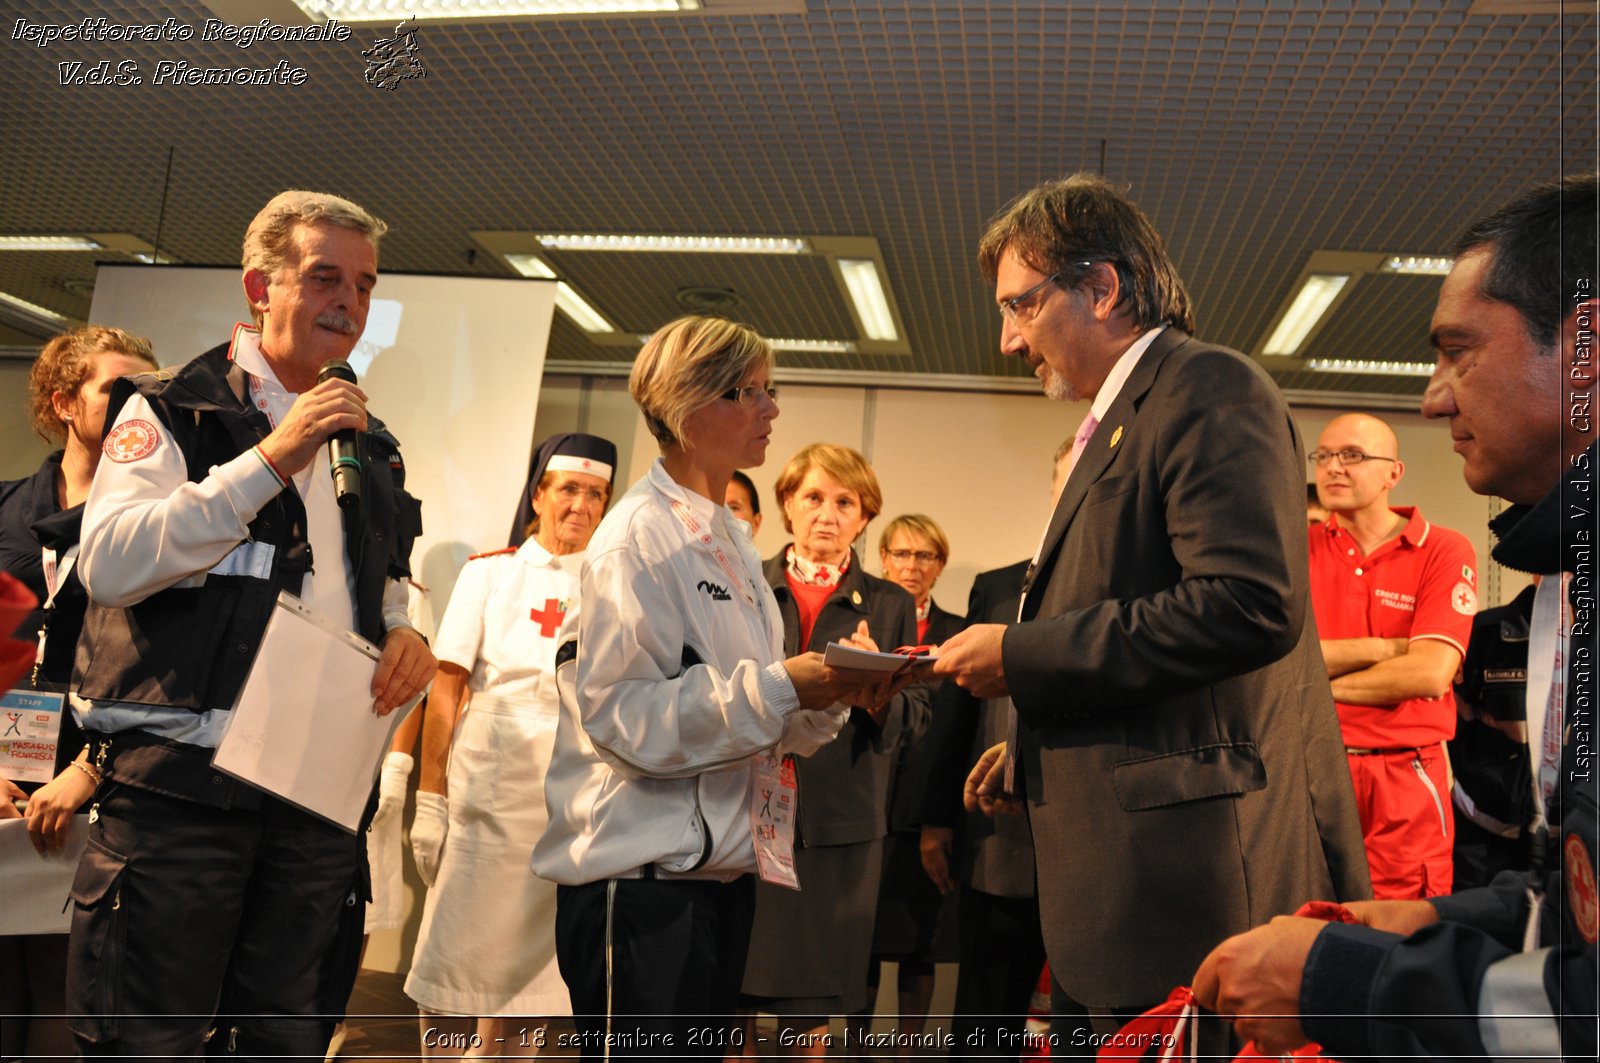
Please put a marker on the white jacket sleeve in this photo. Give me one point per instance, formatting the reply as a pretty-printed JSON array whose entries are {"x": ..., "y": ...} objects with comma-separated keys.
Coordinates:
[
  {"x": 644, "y": 717},
  {"x": 146, "y": 526}
]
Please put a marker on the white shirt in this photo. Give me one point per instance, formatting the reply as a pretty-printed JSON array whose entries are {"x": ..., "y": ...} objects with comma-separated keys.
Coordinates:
[
  {"x": 503, "y": 619},
  {"x": 1120, "y": 372}
]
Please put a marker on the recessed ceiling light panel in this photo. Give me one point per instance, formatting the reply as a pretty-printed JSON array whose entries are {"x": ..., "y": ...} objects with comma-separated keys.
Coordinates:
[
  {"x": 530, "y": 265},
  {"x": 1369, "y": 367},
  {"x": 861, "y": 280},
  {"x": 389, "y": 11},
  {"x": 1429, "y": 265},
  {"x": 813, "y": 346},
  {"x": 1316, "y": 295},
  {"x": 47, "y": 242},
  {"x": 681, "y": 243},
  {"x": 583, "y": 315}
]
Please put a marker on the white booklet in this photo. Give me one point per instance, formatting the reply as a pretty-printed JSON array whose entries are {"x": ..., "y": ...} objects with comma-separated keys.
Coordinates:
[
  {"x": 303, "y": 727},
  {"x": 839, "y": 655}
]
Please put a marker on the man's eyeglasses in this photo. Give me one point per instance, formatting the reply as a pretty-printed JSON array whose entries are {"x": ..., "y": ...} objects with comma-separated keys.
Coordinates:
[
  {"x": 750, "y": 394},
  {"x": 921, "y": 557},
  {"x": 1347, "y": 456},
  {"x": 1009, "y": 307}
]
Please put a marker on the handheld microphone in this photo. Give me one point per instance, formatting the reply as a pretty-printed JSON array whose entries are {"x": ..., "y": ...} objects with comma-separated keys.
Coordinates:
[{"x": 343, "y": 460}]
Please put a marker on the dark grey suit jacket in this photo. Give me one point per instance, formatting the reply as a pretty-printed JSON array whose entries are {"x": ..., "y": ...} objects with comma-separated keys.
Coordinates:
[
  {"x": 994, "y": 854},
  {"x": 1179, "y": 747}
]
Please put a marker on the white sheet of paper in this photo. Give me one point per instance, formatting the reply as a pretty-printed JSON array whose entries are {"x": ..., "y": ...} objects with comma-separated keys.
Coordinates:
[
  {"x": 838, "y": 655},
  {"x": 37, "y": 888},
  {"x": 303, "y": 726}
]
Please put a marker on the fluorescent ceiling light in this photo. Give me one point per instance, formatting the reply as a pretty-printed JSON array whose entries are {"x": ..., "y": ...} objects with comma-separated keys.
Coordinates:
[
  {"x": 48, "y": 242},
  {"x": 583, "y": 315},
  {"x": 798, "y": 346},
  {"x": 1431, "y": 265},
  {"x": 530, "y": 265},
  {"x": 1370, "y": 368},
  {"x": 33, "y": 312},
  {"x": 866, "y": 291},
  {"x": 814, "y": 346},
  {"x": 568, "y": 301},
  {"x": 691, "y": 244},
  {"x": 413, "y": 10},
  {"x": 1310, "y": 303}
]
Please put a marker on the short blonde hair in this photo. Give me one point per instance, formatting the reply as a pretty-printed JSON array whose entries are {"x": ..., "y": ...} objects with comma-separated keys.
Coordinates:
[
  {"x": 918, "y": 524},
  {"x": 266, "y": 241},
  {"x": 66, "y": 362},
  {"x": 686, "y": 365},
  {"x": 843, "y": 464}
]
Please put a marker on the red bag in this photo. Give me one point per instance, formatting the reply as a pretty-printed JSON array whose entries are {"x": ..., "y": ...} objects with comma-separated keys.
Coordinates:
[{"x": 1169, "y": 1026}]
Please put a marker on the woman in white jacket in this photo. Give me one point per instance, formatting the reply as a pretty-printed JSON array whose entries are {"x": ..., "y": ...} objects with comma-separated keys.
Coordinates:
[{"x": 668, "y": 788}]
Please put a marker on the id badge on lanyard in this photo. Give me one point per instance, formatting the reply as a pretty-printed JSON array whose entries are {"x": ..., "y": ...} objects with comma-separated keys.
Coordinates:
[
  {"x": 772, "y": 806},
  {"x": 30, "y": 718}
]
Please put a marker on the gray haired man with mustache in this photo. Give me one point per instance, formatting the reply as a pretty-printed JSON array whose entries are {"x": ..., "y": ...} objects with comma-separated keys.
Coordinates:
[{"x": 206, "y": 908}]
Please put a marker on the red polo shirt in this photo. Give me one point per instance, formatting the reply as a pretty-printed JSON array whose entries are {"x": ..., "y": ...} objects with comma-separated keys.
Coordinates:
[{"x": 1422, "y": 584}]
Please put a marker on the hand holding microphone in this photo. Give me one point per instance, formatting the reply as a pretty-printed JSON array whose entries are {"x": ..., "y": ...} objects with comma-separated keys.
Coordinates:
[{"x": 334, "y": 406}]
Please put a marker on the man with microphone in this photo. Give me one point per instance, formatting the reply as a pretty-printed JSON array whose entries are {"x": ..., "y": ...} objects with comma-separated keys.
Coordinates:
[{"x": 205, "y": 908}]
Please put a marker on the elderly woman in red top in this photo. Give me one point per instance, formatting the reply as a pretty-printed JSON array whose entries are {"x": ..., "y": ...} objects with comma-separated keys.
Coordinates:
[{"x": 809, "y": 950}]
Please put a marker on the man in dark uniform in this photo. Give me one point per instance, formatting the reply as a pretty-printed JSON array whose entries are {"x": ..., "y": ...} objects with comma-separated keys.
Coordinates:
[
  {"x": 1492, "y": 791},
  {"x": 1508, "y": 969},
  {"x": 205, "y": 907}
]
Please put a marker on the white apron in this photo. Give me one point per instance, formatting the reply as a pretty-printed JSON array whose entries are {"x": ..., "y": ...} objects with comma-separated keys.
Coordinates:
[{"x": 487, "y": 944}]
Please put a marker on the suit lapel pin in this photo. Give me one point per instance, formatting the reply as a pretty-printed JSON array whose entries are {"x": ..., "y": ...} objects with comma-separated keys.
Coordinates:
[
  {"x": 855, "y": 597},
  {"x": 1116, "y": 437}
]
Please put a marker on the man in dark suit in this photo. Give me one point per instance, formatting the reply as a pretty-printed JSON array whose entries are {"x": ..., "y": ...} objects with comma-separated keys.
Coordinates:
[{"x": 1177, "y": 744}]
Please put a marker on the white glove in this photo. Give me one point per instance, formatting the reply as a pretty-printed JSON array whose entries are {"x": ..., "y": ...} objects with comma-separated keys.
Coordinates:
[
  {"x": 392, "y": 786},
  {"x": 807, "y": 730},
  {"x": 428, "y": 828}
]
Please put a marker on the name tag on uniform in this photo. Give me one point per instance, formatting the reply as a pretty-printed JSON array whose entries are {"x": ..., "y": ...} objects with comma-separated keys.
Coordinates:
[
  {"x": 772, "y": 801},
  {"x": 30, "y": 729}
]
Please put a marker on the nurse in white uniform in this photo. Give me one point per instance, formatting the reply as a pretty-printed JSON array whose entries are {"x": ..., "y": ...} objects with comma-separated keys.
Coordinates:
[{"x": 484, "y": 974}]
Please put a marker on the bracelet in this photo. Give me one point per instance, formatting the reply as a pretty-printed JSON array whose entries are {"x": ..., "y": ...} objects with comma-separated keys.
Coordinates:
[
  {"x": 283, "y": 481},
  {"x": 83, "y": 767}
]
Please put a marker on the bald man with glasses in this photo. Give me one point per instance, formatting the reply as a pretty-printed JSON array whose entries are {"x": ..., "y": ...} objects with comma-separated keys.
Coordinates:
[{"x": 1394, "y": 598}]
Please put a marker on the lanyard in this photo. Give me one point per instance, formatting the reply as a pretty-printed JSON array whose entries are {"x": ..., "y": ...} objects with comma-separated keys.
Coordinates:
[
  {"x": 1546, "y": 700},
  {"x": 1547, "y": 683},
  {"x": 740, "y": 580},
  {"x": 56, "y": 571}
]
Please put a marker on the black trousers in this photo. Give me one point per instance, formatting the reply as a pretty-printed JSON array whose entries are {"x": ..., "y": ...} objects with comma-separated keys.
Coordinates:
[
  {"x": 189, "y": 918},
  {"x": 653, "y": 966},
  {"x": 1002, "y": 953}
]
